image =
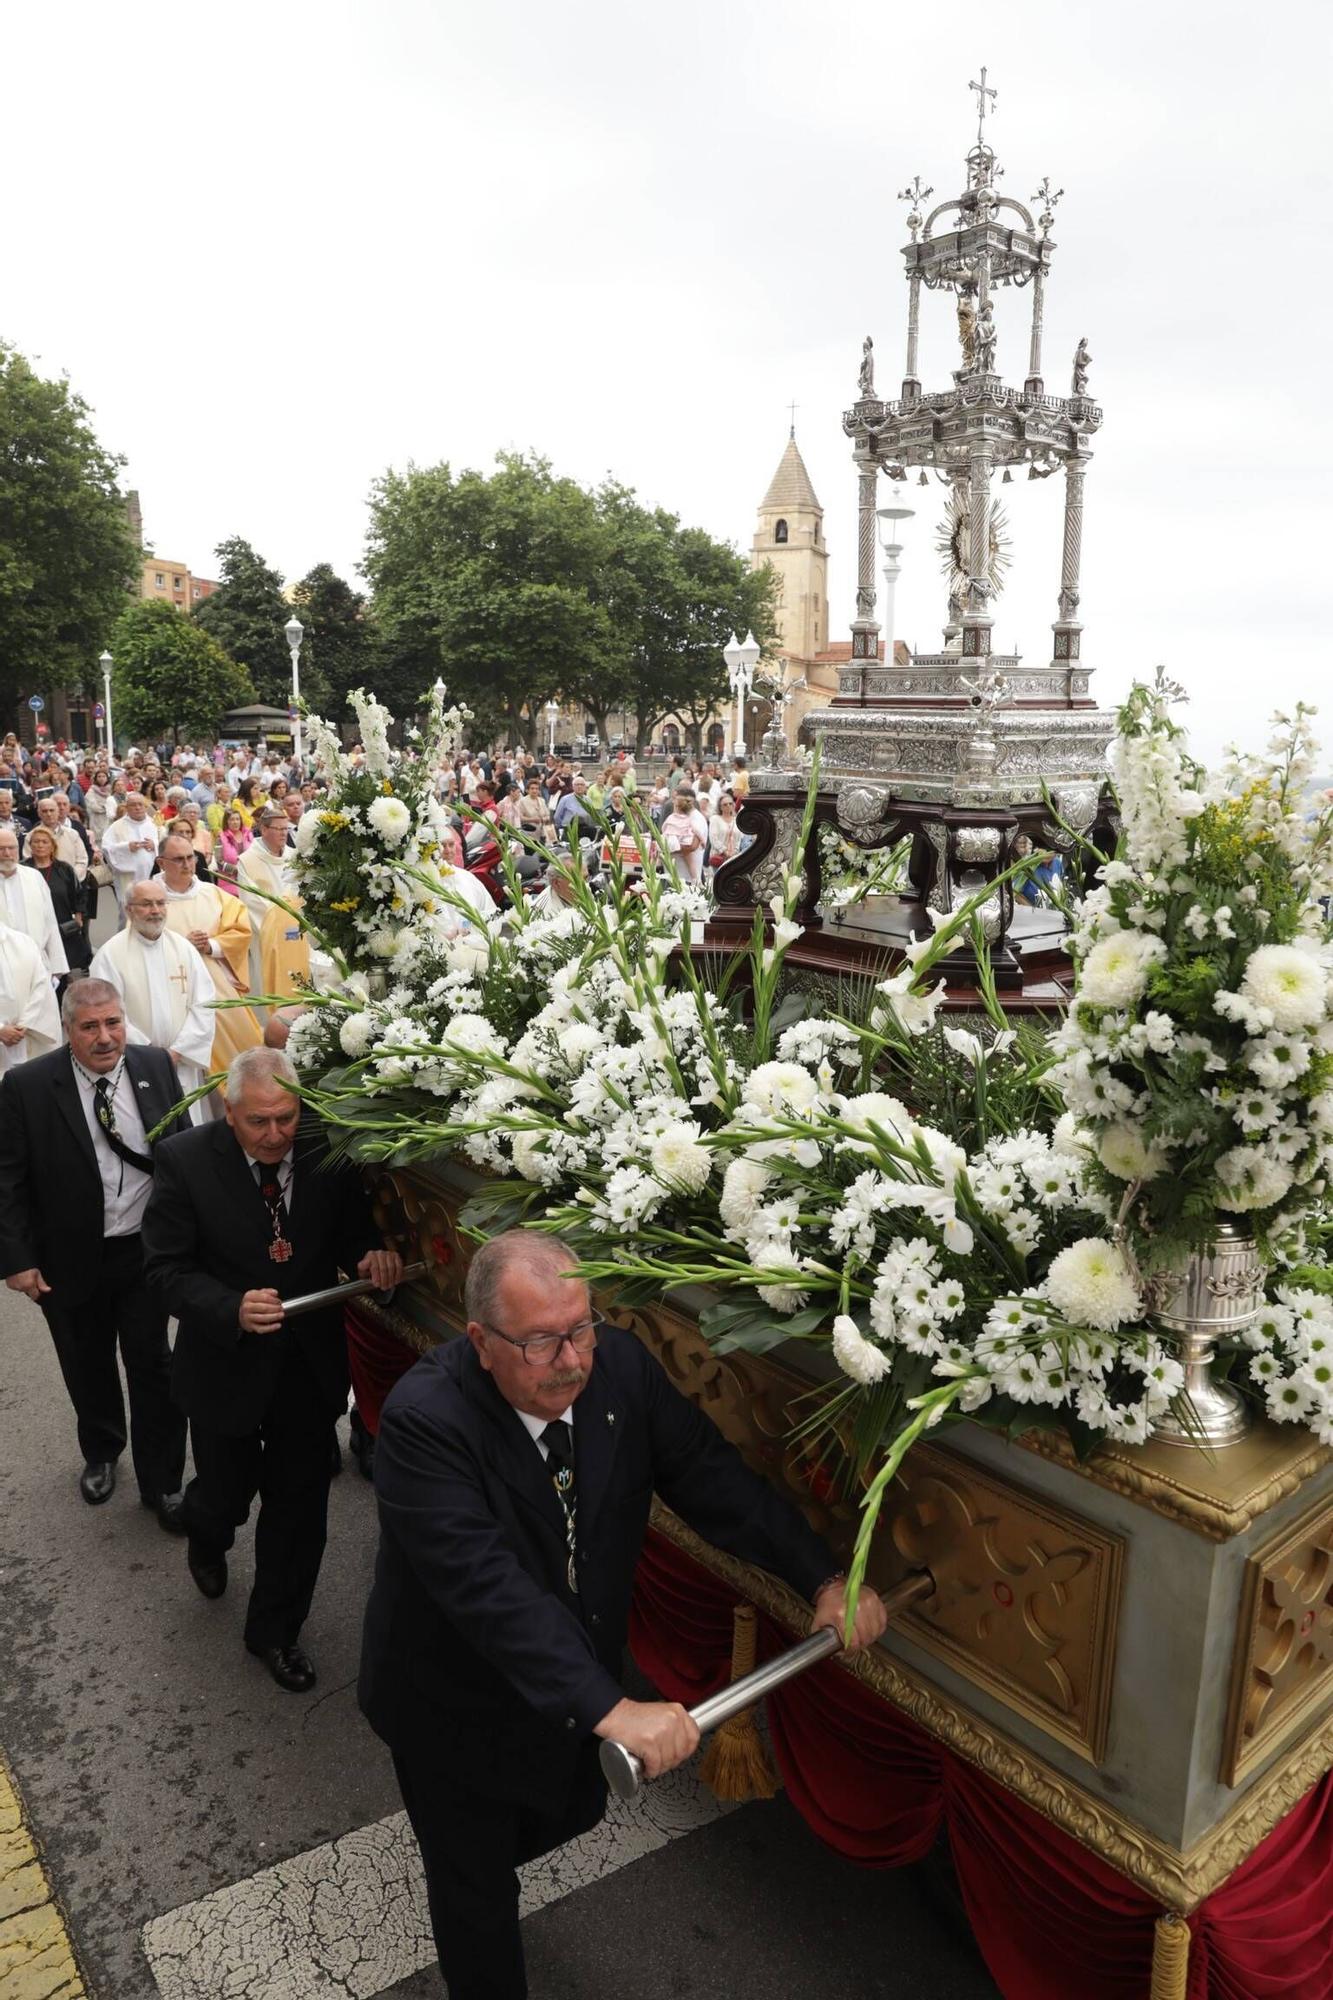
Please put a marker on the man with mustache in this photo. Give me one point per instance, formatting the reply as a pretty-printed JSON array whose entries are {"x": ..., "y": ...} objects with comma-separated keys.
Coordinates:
[
  {"x": 514, "y": 1472},
  {"x": 77, "y": 1169}
]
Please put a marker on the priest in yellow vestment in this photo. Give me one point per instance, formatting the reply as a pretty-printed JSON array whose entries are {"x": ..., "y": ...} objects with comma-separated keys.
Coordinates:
[
  {"x": 280, "y": 954},
  {"x": 219, "y": 928}
]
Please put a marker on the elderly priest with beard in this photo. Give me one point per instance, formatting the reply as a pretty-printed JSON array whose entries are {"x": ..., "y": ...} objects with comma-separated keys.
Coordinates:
[
  {"x": 218, "y": 928},
  {"x": 29, "y": 1023},
  {"x": 514, "y": 1471},
  {"x": 26, "y": 905},
  {"x": 167, "y": 994}
]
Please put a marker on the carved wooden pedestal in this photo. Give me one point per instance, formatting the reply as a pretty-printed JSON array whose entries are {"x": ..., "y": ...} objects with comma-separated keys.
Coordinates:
[{"x": 1142, "y": 1647}]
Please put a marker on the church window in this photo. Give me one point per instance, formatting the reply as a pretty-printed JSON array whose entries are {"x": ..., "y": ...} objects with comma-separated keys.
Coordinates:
[{"x": 780, "y": 532}]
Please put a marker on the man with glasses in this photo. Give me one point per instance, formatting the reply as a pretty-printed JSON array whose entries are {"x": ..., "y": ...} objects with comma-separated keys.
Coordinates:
[{"x": 514, "y": 1471}]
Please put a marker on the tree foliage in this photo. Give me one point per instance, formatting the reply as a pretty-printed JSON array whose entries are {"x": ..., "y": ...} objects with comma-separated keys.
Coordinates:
[
  {"x": 171, "y": 681},
  {"x": 246, "y": 614},
  {"x": 338, "y": 652},
  {"x": 520, "y": 587},
  {"x": 66, "y": 552}
]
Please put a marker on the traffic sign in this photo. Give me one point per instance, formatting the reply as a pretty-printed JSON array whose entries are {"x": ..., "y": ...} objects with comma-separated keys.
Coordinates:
[
  {"x": 99, "y": 712},
  {"x": 36, "y": 704}
]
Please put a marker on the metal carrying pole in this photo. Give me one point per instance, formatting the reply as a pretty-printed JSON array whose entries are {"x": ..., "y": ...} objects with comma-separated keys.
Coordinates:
[
  {"x": 308, "y": 1302},
  {"x": 623, "y": 1771}
]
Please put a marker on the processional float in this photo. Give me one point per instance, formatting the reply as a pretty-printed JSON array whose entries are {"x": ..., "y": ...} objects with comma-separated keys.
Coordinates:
[{"x": 1139, "y": 1647}]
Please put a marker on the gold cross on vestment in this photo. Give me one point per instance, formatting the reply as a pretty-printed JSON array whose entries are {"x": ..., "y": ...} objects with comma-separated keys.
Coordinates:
[{"x": 181, "y": 974}]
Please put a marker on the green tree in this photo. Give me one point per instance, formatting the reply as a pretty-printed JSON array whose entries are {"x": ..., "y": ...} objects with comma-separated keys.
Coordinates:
[
  {"x": 339, "y": 651},
  {"x": 246, "y": 614},
  {"x": 171, "y": 680},
  {"x": 490, "y": 583},
  {"x": 66, "y": 553}
]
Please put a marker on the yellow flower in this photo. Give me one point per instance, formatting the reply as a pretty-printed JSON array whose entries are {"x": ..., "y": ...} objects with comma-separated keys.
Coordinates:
[
  {"x": 386, "y": 785},
  {"x": 335, "y": 820},
  {"x": 346, "y": 907}
]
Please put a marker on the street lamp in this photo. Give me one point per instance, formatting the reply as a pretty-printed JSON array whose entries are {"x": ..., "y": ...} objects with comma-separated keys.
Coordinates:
[
  {"x": 741, "y": 659},
  {"x": 888, "y": 518},
  {"x": 552, "y": 711},
  {"x": 295, "y": 632},
  {"x": 105, "y": 663}
]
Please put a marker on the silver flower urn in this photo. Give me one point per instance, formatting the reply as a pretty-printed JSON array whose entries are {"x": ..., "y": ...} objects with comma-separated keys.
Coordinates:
[{"x": 1215, "y": 1297}]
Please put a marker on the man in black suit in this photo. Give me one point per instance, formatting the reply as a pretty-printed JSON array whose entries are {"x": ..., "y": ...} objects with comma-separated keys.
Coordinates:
[
  {"x": 76, "y": 1171},
  {"x": 243, "y": 1215},
  {"x": 515, "y": 1470}
]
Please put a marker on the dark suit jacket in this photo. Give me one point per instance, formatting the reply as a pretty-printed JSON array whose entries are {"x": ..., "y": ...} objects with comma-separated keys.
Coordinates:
[
  {"x": 206, "y": 1233},
  {"x": 473, "y": 1640},
  {"x": 51, "y": 1200}
]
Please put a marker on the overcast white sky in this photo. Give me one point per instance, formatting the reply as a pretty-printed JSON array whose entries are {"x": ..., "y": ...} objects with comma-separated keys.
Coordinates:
[{"x": 280, "y": 247}]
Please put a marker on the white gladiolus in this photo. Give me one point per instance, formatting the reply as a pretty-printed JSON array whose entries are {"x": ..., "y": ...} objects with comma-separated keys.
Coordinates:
[
  {"x": 1091, "y": 1284},
  {"x": 1289, "y": 982},
  {"x": 1115, "y": 972},
  {"x": 858, "y": 1357}
]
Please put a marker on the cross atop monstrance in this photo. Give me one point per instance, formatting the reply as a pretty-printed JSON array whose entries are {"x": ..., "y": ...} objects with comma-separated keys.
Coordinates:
[{"x": 969, "y": 743}]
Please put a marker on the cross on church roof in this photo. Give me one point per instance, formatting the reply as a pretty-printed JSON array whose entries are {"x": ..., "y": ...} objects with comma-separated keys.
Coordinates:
[
  {"x": 982, "y": 94},
  {"x": 793, "y": 407}
]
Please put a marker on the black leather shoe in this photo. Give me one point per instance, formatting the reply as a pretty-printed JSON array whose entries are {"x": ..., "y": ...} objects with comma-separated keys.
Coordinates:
[
  {"x": 289, "y": 1667},
  {"x": 170, "y": 1510},
  {"x": 97, "y": 1482},
  {"x": 209, "y": 1571}
]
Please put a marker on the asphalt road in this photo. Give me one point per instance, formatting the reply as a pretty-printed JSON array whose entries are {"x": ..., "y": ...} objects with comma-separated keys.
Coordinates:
[{"x": 165, "y": 1773}]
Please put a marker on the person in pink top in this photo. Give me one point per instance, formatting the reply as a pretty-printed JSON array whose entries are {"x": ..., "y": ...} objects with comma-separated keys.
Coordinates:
[
  {"x": 233, "y": 840},
  {"x": 685, "y": 835}
]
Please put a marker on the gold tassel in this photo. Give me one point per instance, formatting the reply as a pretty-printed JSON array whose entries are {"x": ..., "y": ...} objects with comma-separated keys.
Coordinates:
[
  {"x": 1170, "y": 1958},
  {"x": 736, "y": 1764}
]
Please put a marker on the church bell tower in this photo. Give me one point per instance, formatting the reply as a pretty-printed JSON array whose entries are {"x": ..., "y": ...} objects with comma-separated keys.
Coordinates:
[{"x": 790, "y": 535}]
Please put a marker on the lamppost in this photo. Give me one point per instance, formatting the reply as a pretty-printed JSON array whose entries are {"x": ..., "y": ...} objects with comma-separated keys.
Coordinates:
[
  {"x": 888, "y": 518},
  {"x": 552, "y": 712},
  {"x": 741, "y": 659},
  {"x": 295, "y": 632},
  {"x": 105, "y": 663}
]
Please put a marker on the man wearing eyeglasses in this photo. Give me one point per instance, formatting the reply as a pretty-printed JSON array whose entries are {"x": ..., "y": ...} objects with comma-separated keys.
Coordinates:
[{"x": 514, "y": 1471}]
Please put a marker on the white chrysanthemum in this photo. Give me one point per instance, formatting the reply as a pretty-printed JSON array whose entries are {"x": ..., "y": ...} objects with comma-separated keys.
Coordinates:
[
  {"x": 1289, "y": 982},
  {"x": 356, "y": 1034},
  {"x": 678, "y": 1160},
  {"x": 382, "y": 943},
  {"x": 1091, "y": 1284},
  {"x": 876, "y": 1107},
  {"x": 780, "y": 1087},
  {"x": 390, "y": 818},
  {"x": 1124, "y": 1153},
  {"x": 1250, "y": 1177},
  {"x": 473, "y": 1035},
  {"x": 857, "y": 1356},
  {"x": 743, "y": 1185},
  {"x": 1115, "y": 971}
]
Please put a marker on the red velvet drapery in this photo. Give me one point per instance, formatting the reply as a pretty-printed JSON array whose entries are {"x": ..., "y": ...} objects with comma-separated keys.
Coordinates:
[{"x": 1050, "y": 1918}]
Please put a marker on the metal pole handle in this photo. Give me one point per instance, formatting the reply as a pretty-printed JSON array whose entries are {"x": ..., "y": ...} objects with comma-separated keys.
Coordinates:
[
  {"x": 623, "y": 1771},
  {"x": 308, "y": 1302}
]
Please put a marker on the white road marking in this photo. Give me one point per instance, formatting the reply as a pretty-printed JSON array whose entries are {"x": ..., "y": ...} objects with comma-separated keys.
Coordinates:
[{"x": 348, "y": 1919}]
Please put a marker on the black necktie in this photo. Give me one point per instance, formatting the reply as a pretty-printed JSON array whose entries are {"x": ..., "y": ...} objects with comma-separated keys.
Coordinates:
[
  {"x": 559, "y": 1441},
  {"x": 106, "y": 1118}
]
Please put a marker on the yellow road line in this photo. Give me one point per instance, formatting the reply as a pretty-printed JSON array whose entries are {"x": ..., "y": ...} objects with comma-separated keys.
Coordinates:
[{"x": 36, "y": 1957}]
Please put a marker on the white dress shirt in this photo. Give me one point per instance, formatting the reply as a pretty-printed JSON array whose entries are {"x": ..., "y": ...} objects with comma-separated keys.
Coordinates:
[
  {"x": 284, "y": 1170},
  {"x": 125, "y": 1190},
  {"x": 534, "y": 1426}
]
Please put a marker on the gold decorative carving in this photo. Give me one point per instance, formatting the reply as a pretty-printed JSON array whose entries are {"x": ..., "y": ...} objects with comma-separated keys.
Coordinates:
[
  {"x": 1283, "y": 1670},
  {"x": 1029, "y": 1593},
  {"x": 1179, "y": 1881},
  {"x": 1217, "y": 1496}
]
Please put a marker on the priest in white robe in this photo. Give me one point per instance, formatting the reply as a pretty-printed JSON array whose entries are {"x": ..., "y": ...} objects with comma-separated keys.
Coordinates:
[
  {"x": 25, "y": 905},
  {"x": 29, "y": 1022},
  {"x": 168, "y": 997},
  {"x": 218, "y": 928},
  {"x": 280, "y": 953},
  {"x": 129, "y": 846}
]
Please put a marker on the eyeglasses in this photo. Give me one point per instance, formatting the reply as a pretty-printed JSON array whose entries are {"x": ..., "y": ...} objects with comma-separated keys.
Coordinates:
[{"x": 544, "y": 1347}]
